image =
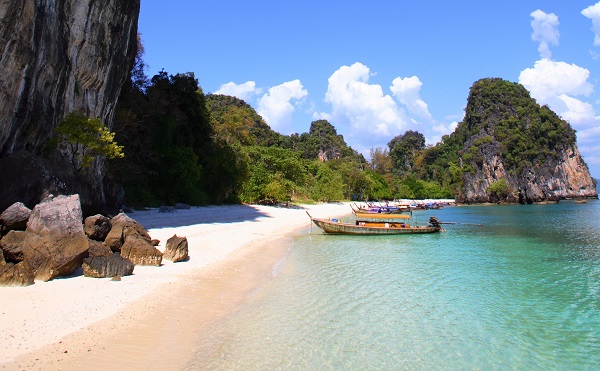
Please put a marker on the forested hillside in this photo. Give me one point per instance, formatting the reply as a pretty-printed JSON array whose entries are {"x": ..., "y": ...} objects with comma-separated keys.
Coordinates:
[{"x": 184, "y": 146}]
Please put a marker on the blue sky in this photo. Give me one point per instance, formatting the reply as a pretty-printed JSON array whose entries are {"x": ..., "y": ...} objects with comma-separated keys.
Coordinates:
[{"x": 376, "y": 69}]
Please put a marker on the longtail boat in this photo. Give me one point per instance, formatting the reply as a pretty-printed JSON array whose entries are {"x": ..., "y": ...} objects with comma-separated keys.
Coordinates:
[
  {"x": 381, "y": 217},
  {"x": 364, "y": 227},
  {"x": 374, "y": 209}
]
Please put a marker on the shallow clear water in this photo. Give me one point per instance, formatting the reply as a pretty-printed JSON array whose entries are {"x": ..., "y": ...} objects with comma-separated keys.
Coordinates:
[{"x": 521, "y": 292}]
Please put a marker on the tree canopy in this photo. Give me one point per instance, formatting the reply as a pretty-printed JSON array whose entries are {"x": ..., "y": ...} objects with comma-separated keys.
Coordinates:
[{"x": 183, "y": 146}]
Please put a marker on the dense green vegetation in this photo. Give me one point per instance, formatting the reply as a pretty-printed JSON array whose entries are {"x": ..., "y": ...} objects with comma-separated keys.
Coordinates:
[
  {"x": 501, "y": 119},
  {"x": 184, "y": 146}
]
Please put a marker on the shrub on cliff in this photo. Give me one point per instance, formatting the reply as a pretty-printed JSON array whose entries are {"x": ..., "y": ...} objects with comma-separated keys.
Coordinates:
[{"x": 84, "y": 138}]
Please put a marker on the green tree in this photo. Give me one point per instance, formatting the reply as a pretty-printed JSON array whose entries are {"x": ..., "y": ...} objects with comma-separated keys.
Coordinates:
[
  {"x": 85, "y": 138},
  {"x": 403, "y": 150},
  {"x": 499, "y": 190},
  {"x": 381, "y": 162},
  {"x": 273, "y": 172},
  {"x": 181, "y": 177},
  {"x": 380, "y": 189},
  {"x": 328, "y": 184}
]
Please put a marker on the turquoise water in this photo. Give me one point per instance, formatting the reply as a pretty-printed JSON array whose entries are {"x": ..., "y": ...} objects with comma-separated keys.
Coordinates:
[{"x": 521, "y": 292}]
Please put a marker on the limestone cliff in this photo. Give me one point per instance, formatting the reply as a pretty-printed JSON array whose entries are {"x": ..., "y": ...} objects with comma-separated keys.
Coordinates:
[
  {"x": 518, "y": 151},
  {"x": 59, "y": 56}
]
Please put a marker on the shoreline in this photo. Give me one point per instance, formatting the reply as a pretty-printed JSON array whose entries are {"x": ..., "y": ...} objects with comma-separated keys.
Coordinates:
[{"x": 153, "y": 318}]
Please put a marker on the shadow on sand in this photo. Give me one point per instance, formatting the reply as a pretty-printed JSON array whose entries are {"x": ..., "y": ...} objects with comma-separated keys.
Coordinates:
[{"x": 152, "y": 218}]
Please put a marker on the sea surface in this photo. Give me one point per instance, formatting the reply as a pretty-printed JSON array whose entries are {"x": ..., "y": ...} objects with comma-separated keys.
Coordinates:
[{"x": 520, "y": 292}]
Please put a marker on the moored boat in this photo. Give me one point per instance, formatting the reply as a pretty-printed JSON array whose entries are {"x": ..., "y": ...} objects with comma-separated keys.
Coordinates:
[
  {"x": 379, "y": 209},
  {"x": 381, "y": 217},
  {"x": 333, "y": 226}
]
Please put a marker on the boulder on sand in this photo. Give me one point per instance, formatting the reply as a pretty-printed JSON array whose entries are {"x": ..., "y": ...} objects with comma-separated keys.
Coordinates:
[
  {"x": 15, "y": 274},
  {"x": 141, "y": 251},
  {"x": 96, "y": 227},
  {"x": 55, "y": 244},
  {"x": 176, "y": 249},
  {"x": 123, "y": 226},
  {"x": 107, "y": 266}
]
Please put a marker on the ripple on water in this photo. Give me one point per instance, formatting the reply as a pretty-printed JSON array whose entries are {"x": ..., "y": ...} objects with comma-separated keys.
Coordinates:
[{"x": 516, "y": 293}]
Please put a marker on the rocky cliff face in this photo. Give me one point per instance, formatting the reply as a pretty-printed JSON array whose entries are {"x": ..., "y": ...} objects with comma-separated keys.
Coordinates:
[
  {"x": 60, "y": 56},
  {"x": 567, "y": 177},
  {"x": 517, "y": 151}
]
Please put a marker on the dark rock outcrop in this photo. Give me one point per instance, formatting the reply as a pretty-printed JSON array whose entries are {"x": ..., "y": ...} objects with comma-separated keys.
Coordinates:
[
  {"x": 96, "y": 227},
  {"x": 15, "y": 217},
  {"x": 123, "y": 226},
  {"x": 56, "y": 57},
  {"x": 55, "y": 244},
  {"x": 141, "y": 251},
  {"x": 107, "y": 266},
  {"x": 98, "y": 249},
  {"x": 176, "y": 249},
  {"x": 16, "y": 274},
  {"x": 11, "y": 246}
]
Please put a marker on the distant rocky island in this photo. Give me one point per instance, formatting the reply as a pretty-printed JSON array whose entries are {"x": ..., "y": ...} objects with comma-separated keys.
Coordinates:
[{"x": 518, "y": 151}]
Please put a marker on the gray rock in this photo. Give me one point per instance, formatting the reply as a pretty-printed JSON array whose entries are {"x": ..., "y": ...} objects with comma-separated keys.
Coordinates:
[
  {"x": 96, "y": 227},
  {"x": 107, "y": 266},
  {"x": 98, "y": 249},
  {"x": 141, "y": 251},
  {"x": 12, "y": 246},
  {"x": 123, "y": 226},
  {"x": 55, "y": 244},
  {"x": 176, "y": 249},
  {"x": 15, "y": 217},
  {"x": 16, "y": 274},
  {"x": 166, "y": 209}
]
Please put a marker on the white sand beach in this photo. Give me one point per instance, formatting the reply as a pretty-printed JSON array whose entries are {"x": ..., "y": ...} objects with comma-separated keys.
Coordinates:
[{"x": 153, "y": 318}]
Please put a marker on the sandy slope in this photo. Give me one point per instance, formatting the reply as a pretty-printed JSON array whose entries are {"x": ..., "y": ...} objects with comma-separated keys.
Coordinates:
[{"x": 150, "y": 319}]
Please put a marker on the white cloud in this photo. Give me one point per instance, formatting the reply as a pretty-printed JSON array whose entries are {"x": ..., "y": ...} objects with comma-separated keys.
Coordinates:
[
  {"x": 587, "y": 137},
  {"x": 558, "y": 84},
  {"x": 545, "y": 31},
  {"x": 243, "y": 91},
  {"x": 547, "y": 80},
  {"x": 407, "y": 90},
  {"x": 587, "y": 141},
  {"x": 276, "y": 106},
  {"x": 593, "y": 12},
  {"x": 361, "y": 109},
  {"x": 579, "y": 112},
  {"x": 439, "y": 130}
]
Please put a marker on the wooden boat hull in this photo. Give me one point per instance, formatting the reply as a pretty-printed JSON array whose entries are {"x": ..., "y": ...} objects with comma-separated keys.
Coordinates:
[{"x": 333, "y": 227}]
